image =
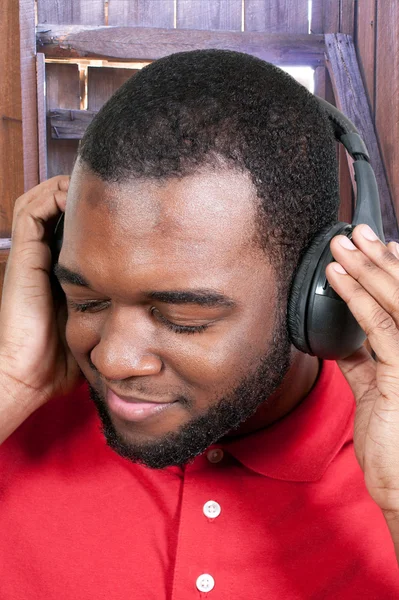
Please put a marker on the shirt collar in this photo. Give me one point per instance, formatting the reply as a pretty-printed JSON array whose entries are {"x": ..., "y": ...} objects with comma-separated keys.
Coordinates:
[{"x": 300, "y": 446}]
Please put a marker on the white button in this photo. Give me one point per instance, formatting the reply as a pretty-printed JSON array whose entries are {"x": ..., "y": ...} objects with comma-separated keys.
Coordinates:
[
  {"x": 215, "y": 455},
  {"x": 212, "y": 509},
  {"x": 205, "y": 583}
]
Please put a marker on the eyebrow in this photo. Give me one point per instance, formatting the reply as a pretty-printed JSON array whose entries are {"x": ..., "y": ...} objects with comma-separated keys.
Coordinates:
[
  {"x": 65, "y": 275},
  {"x": 201, "y": 297}
]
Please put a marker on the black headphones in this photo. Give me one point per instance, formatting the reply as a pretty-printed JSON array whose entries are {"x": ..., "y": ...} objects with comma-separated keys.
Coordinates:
[{"x": 319, "y": 321}]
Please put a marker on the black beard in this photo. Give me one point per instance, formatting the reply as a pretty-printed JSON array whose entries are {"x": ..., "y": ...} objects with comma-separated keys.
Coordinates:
[{"x": 223, "y": 415}]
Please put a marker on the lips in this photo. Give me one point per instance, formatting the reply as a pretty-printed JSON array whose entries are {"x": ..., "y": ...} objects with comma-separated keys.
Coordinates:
[
  {"x": 131, "y": 408},
  {"x": 136, "y": 399}
]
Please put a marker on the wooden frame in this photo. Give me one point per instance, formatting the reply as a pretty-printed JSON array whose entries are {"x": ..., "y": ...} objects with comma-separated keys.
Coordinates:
[
  {"x": 69, "y": 124},
  {"x": 138, "y": 43},
  {"x": 41, "y": 116},
  {"x": 28, "y": 93}
]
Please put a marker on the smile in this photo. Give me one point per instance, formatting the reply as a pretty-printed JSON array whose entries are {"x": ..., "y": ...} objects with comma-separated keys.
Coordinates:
[{"x": 131, "y": 409}]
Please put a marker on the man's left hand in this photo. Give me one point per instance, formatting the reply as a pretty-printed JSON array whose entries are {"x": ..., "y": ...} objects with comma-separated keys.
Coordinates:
[{"x": 370, "y": 287}]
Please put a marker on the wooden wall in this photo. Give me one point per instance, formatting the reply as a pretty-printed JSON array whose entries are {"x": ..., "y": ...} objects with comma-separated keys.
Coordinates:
[
  {"x": 377, "y": 42},
  {"x": 11, "y": 154},
  {"x": 11, "y": 171},
  {"x": 18, "y": 110}
]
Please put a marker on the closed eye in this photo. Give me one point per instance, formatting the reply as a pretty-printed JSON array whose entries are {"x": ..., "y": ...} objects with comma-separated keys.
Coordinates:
[
  {"x": 88, "y": 306},
  {"x": 96, "y": 306},
  {"x": 177, "y": 328}
]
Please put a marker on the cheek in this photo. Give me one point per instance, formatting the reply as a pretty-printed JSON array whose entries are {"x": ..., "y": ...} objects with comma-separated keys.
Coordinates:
[
  {"x": 220, "y": 357},
  {"x": 82, "y": 335}
]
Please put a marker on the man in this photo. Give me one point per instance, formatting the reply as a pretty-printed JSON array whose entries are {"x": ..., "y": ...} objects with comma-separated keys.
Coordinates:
[{"x": 225, "y": 466}]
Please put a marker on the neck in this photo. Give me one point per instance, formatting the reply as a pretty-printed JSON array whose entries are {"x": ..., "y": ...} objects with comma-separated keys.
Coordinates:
[{"x": 294, "y": 388}]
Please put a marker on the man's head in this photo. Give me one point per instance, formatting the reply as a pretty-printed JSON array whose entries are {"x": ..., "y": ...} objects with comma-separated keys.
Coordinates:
[{"x": 197, "y": 187}]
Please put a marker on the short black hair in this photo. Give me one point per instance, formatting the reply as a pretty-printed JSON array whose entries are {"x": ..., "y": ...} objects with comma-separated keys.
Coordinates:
[{"x": 212, "y": 107}]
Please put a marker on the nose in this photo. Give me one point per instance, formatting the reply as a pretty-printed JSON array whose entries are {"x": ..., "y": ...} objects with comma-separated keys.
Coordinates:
[{"x": 125, "y": 349}]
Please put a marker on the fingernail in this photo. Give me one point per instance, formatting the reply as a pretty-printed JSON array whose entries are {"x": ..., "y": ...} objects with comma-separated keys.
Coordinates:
[
  {"x": 368, "y": 233},
  {"x": 346, "y": 243},
  {"x": 337, "y": 267}
]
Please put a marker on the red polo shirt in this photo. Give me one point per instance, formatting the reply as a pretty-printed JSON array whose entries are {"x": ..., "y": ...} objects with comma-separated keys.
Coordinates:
[{"x": 282, "y": 513}]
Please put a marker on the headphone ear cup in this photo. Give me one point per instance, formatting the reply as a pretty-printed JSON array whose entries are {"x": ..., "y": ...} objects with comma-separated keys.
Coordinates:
[{"x": 299, "y": 294}]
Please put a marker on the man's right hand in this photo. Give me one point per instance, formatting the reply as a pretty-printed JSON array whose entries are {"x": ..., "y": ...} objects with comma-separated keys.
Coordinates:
[{"x": 35, "y": 361}]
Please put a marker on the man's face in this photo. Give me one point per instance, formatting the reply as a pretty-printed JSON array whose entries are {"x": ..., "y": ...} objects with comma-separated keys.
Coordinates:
[{"x": 183, "y": 309}]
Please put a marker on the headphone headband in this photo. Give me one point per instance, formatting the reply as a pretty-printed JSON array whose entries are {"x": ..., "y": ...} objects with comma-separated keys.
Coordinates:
[{"x": 367, "y": 209}]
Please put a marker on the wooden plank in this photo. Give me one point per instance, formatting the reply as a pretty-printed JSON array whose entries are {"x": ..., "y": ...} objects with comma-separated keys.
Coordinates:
[
  {"x": 351, "y": 99},
  {"x": 329, "y": 88},
  {"x": 320, "y": 81},
  {"x": 347, "y": 16},
  {"x": 83, "y": 12},
  {"x": 62, "y": 87},
  {"x": 316, "y": 17},
  {"x": 346, "y": 186},
  {"x": 27, "y": 70},
  {"x": 276, "y": 16},
  {"x": 103, "y": 82},
  {"x": 11, "y": 169},
  {"x": 136, "y": 13},
  {"x": 131, "y": 43},
  {"x": 41, "y": 115},
  {"x": 209, "y": 14},
  {"x": 365, "y": 42},
  {"x": 325, "y": 16},
  {"x": 69, "y": 124},
  {"x": 333, "y": 16},
  {"x": 387, "y": 92}
]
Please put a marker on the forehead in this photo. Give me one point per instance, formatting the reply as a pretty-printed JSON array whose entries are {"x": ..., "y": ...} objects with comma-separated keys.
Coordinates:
[
  {"x": 202, "y": 221},
  {"x": 205, "y": 195}
]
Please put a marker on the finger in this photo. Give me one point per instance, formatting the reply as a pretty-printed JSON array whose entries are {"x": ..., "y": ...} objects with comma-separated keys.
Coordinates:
[
  {"x": 29, "y": 260},
  {"x": 393, "y": 247},
  {"x": 367, "y": 242},
  {"x": 29, "y": 219},
  {"x": 374, "y": 266},
  {"x": 63, "y": 183},
  {"x": 60, "y": 183},
  {"x": 38, "y": 196},
  {"x": 378, "y": 325}
]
